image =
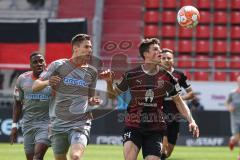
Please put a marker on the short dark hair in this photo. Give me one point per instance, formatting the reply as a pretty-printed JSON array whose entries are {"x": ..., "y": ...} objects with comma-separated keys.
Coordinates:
[
  {"x": 144, "y": 45},
  {"x": 164, "y": 50},
  {"x": 77, "y": 39},
  {"x": 34, "y": 54}
]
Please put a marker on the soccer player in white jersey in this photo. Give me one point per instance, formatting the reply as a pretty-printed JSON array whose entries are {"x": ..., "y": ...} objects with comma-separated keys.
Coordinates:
[
  {"x": 34, "y": 107},
  {"x": 73, "y": 81}
]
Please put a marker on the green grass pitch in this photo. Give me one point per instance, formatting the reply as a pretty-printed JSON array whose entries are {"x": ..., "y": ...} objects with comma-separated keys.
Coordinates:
[{"x": 108, "y": 152}]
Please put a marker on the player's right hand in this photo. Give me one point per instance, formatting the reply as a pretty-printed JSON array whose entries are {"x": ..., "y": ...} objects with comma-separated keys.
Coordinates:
[
  {"x": 193, "y": 127},
  {"x": 54, "y": 80},
  {"x": 13, "y": 136},
  {"x": 107, "y": 75}
]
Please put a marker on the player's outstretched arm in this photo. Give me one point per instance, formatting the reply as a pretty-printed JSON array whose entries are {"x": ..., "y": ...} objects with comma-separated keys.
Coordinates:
[
  {"x": 39, "y": 85},
  {"x": 108, "y": 75},
  {"x": 189, "y": 95},
  {"x": 184, "y": 110},
  {"x": 16, "y": 114}
]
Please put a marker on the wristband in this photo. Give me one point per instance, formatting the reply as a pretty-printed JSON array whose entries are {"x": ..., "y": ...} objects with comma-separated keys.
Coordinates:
[{"x": 14, "y": 125}]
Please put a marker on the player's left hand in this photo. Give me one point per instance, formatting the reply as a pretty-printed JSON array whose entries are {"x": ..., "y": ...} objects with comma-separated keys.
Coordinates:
[
  {"x": 193, "y": 127},
  {"x": 94, "y": 101}
]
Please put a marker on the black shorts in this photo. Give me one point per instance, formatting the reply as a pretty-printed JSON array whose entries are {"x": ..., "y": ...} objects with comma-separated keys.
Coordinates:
[
  {"x": 172, "y": 132},
  {"x": 150, "y": 142}
]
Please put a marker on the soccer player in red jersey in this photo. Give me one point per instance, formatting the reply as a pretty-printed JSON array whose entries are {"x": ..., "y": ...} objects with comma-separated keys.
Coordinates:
[
  {"x": 169, "y": 107},
  {"x": 148, "y": 84}
]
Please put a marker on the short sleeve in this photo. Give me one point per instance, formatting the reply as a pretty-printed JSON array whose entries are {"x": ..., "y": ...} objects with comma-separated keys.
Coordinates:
[
  {"x": 176, "y": 87},
  {"x": 18, "y": 93},
  {"x": 183, "y": 81},
  {"x": 122, "y": 85},
  {"x": 49, "y": 71}
]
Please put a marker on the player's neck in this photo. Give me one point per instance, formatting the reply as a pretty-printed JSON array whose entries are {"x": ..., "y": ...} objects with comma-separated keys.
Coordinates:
[{"x": 150, "y": 68}]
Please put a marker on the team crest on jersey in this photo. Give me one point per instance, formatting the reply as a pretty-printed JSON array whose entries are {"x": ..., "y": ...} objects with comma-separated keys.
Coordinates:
[
  {"x": 149, "y": 95},
  {"x": 160, "y": 83}
]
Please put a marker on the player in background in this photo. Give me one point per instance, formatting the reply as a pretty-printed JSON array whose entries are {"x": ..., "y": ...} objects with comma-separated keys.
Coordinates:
[
  {"x": 73, "y": 82},
  {"x": 148, "y": 85},
  {"x": 34, "y": 108},
  {"x": 233, "y": 106},
  {"x": 169, "y": 107}
]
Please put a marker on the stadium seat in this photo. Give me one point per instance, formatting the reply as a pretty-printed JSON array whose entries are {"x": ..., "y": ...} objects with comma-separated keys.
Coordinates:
[
  {"x": 220, "y": 61},
  {"x": 235, "y": 17},
  {"x": 168, "y": 31},
  {"x": 188, "y": 74},
  {"x": 201, "y": 61},
  {"x": 220, "y": 4},
  {"x": 220, "y": 32},
  {"x": 235, "y": 32},
  {"x": 184, "y": 46},
  {"x": 235, "y": 4},
  {"x": 235, "y": 46},
  {"x": 150, "y": 31},
  {"x": 203, "y": 31},
  {"x": 205, "y": 17},
  {"x": 169, "y": 4},
  {"x": 234, "y": 75},
  {"x": 220, "y": 17},
  {"x": 234, "y": 63},
  {"x": 167, "y": 43},
  {"x": 219, "y": 47},
  {"x": 187, "y": 3},
  {"x": 152, "y": 3},
  {"x": 201, "y": 76},
  {"x": 202, "y": 46},
  {"x": 203, "y": 4},
  {"x": 151, "y": 17},
  {"x": 184, "y": 61},
  {"x": 220, "y": 76},
  {"x": 168, "y": 17},
  {"x": 185, "y": 33}
]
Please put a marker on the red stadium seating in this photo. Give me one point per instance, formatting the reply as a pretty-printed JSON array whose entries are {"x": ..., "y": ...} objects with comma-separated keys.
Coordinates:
[
  {"x": 151, "y": 31},
  {"x": 219, "y": 47},
  {"x": 151, "y": 17},
  {"x": 184, "y": 61},
  {"x": 201, "y": 61},
  {"x": 203, "y": 31},
  {"x": 220, "y": 4},
  {"x": 205, "y": 17},
  {"x": 122, "y": 12},
  {"x": 235, "y": 32},
  {"x": 220, "y": 32},
  {"x": 234, "y": 64},
  {"x": 201, "y": 76},
  {"x": 202, "y": 46},
  {"x": 152, "y": 3},
  {"x": 220, "y": 61},
  {"x": 185, "y": 46},
  {"x": 220, "y": 17},
  {"x": 235, "y": 46},
  {"x": 185, "y": 33},
  {"x": 168, "y": 44},
  {"x": 203, "y": 4},
  {"x": 234, "y": 75},
  {"x": 169, "y": 4},
  {"x": 235, "y": 4},
  {"x": 187, "y": 3},
  {"x": 220, "y": 76},
  {"x": 188, "y": 74},
  {"x": 235, "y": 17},
  {"x": 168, "y": 31},
  {"x": 123, "y": 2},
  {"x": 168, "y": 17}
]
